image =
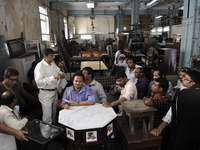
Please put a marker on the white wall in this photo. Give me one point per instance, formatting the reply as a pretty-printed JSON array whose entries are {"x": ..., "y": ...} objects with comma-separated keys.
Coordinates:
[{"x": 103, "y": 25}]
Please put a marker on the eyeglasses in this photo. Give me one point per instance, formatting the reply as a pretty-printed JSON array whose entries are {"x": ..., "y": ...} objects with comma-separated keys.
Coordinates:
[
  {"x": 13, "y": 80},
  {"x": 187, "y": 79},
  {"x": 185, "y": 69}
]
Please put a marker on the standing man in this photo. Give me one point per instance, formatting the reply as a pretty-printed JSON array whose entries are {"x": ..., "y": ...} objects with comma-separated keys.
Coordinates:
[
  {"x": 117, "y": 56},
  {"x": 131, "y": 69},
  {"x": 127, "y": 88},
  {"x": 181, "y": 76},
  {"x": 77, "y": 94},
  {"x": 46, "y": 76},
  {"x": 160, "y": 73},
  {"x": 142, "y": 83},
  {"x": 97, "y": 88}
]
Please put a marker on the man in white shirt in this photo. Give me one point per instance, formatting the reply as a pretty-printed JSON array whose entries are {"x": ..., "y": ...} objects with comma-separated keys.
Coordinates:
[
  {"x": 122, "y": 61},
  {"x": 46, "y": 75},
  {"x": 116, "y": 61},
  {"x": 130, "y": 70},
  {"x": 127, "y": 88}
]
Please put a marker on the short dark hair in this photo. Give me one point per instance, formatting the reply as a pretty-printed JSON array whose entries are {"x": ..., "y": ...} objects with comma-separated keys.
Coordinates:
[
  {"x": 90, "y": 71},
  {"x": 161, "y": 71},
  {"x": 131, "y": 57},
  {"x": 11, "y": 71},
  {"x": 78, "y": 73},
  {"x": 120, "y": 74},
  {"x": 7, "y": 98},
  {"x": 141, "y": 69},
  {"x": 163, "y": 83},
  {"x": 121, "y": 48},
  {"x": 194, "y": 75}
]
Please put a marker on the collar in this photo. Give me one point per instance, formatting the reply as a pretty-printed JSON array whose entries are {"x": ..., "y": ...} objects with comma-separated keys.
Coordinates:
[
  {"x": 46, "y": 64},
  {"x": 83, "y": 89},
  {"x": 93, "y": 82},
  {"x": 140, "y": 78},
  {"x": 6, "y": 107}
]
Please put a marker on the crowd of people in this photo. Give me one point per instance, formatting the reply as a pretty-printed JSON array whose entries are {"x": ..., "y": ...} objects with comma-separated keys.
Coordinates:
[{"x": 131, "y": 84}]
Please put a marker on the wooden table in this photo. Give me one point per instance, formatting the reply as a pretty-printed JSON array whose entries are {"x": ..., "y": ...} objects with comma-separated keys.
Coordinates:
[
  {"x": 141, "y": 139},
  {"x": 137, "y": 109},
  {"x": 95, "y": 65}
]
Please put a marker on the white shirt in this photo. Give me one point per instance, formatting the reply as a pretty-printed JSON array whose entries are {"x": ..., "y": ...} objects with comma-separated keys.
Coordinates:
[
  {"x": 11, "y": 118},
  {"x": 117, "y": 56},
  {"x": 180, "y": 85},
  {"x": 123, "y": 64},
  {"x": 43, "y": 74},
  {"x": 129, "y": 91},
  {"x": 131, "y": 75}
]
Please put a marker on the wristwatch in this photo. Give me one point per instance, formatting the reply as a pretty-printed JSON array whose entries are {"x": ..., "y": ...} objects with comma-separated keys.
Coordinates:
[{"x": 78, "y": 103}]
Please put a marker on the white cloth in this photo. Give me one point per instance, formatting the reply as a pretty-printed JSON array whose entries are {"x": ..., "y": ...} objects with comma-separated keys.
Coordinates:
[
  {"x": 117, "y": 56},
  {"x": 129, "y": 91},
  {"x": 44, "y": 79},
  {"x": 61, "y": 84},
  {"x": 123, "y": 64},
  {"x": 167, "y": 118},
  {"x": 131, "y": 75},
  {"x": 180, "y": 85},
  {"x": 11, "y": 118}
]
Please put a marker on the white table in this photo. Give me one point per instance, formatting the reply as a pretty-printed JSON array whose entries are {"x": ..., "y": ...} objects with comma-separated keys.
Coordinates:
[{"x": 88, "y": 125}]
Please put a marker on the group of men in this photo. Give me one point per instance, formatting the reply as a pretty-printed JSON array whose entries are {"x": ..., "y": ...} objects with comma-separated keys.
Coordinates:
[{"x": 130, "y": 83}]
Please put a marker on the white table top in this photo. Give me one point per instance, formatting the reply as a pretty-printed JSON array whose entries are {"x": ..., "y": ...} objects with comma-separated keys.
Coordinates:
[
  {"x": 95, "y": 65},
  {"x": 86, "y": 117}
]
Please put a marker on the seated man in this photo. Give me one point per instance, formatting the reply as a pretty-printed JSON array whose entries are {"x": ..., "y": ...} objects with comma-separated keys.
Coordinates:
[
  {"x": 97, "y": 88},
  {"x": 77, "y": 94},
  {"x": 181, "y": 76},
  {"x": 142, "y": 83},
  {"x": 10, "y": 117},
  {"x": 32, "y": 106},
  {"x": 122, "y": 61},
  {"x": 160, "y": 73},
  {"x": 158, "y": 99},
  {"x": 127, "y": 88}
]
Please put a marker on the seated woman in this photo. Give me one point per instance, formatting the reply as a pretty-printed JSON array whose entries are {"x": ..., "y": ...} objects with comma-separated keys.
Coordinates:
[{"x": 10, "y": 117}]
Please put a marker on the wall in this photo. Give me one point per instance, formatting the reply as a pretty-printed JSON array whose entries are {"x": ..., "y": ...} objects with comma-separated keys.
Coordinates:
[{"x": 102, "y": 24}]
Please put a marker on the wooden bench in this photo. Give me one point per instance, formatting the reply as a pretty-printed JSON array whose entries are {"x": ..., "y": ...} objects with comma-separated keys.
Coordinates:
[{"x": 140, "y": 139}]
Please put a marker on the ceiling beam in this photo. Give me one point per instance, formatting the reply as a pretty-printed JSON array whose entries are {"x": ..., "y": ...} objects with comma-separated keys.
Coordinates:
[{"x": 115, "y": 12}]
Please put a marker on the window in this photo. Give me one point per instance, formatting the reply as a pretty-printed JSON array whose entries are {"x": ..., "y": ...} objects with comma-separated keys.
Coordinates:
[
  {"x": 65, "y": 28},
  {"x": 44, "y": 21}
]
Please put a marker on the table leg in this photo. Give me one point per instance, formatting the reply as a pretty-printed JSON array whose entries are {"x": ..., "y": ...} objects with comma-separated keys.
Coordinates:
[
  {"x": 132, "y": 125},
  {"x": 151, "y": 119},
  {"x": 123, "y": 116}
]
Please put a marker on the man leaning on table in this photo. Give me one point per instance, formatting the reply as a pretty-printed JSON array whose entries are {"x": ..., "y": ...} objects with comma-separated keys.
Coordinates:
[
  {"x": 77, "y": 94},
  {"x": 127, "y": 88}
]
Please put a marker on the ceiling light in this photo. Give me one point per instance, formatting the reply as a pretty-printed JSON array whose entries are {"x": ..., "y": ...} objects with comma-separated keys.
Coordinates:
[
  {"x": 90, "y": 4},
  {"x": 151, "y": 2},
  {"x": 159, "y": 16}
]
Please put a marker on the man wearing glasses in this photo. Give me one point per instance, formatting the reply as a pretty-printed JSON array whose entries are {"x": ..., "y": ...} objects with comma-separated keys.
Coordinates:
[
  {"x": 32, "y": 107},
  {"x": 181, "y": 76}
]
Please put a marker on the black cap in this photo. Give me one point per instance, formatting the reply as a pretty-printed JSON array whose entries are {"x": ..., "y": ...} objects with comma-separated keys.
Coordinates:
[{"x": 47, "y": 51}]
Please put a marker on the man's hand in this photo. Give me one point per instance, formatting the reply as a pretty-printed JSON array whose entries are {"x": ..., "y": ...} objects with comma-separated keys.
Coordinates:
[
  {"x": 20, "y": 135},
  {"x": 106, "y": 104},
  {"x": 62, "y": 76},
  {"x": 73, "y": 103},
  {"x": 155, "y": 132},
  {"x": 147, "y": 101},
  {"x": 56, "y": 76},
  {"x": 66, "y": 106}
]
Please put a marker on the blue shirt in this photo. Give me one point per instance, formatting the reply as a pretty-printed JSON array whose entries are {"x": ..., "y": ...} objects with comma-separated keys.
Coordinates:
[{"x": 84, "y": 95}]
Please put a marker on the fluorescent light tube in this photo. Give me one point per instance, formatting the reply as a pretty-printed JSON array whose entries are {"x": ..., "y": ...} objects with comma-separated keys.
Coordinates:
[
  {"x": 90, "y": 4},
  {"x": 149, "y": 3},
  {"x": 158, "y": 16}
]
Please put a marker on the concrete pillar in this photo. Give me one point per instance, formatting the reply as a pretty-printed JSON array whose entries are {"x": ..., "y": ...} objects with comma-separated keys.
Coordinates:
[
  {"x": 190, "y": 38},
  {"x": 135, "y": 5},
  {"x": 120, "y": 17},
  {"x": 170, "y": 26}
]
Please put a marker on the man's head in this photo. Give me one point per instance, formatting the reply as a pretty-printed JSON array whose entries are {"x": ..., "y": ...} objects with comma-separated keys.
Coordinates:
[
  {"x": 78, "y": 79},
  {"x": 121, "y": 58},
  {"x": 191, "y": 78},
  {"x": 126, "y": 59},
  {"x": 160, "y": 85},
  {"x": 48, "y": 55},
  {"x": 183, "y": 73},
  {"x": 88, "y": 73},
  {"x": 120, "y": 49},
  {"x": 10, "y": 76},
  {"x": 121, "y": 78},
  {"x": 7, "y": 98},
  {"x": 131, "y": 62},
  {"x": 138, "y": 72},
  {"x": 158, "y": 73}
]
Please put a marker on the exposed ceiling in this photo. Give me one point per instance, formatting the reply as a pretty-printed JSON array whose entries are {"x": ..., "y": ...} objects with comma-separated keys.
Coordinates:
[{"x": 111, "y": 7}]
